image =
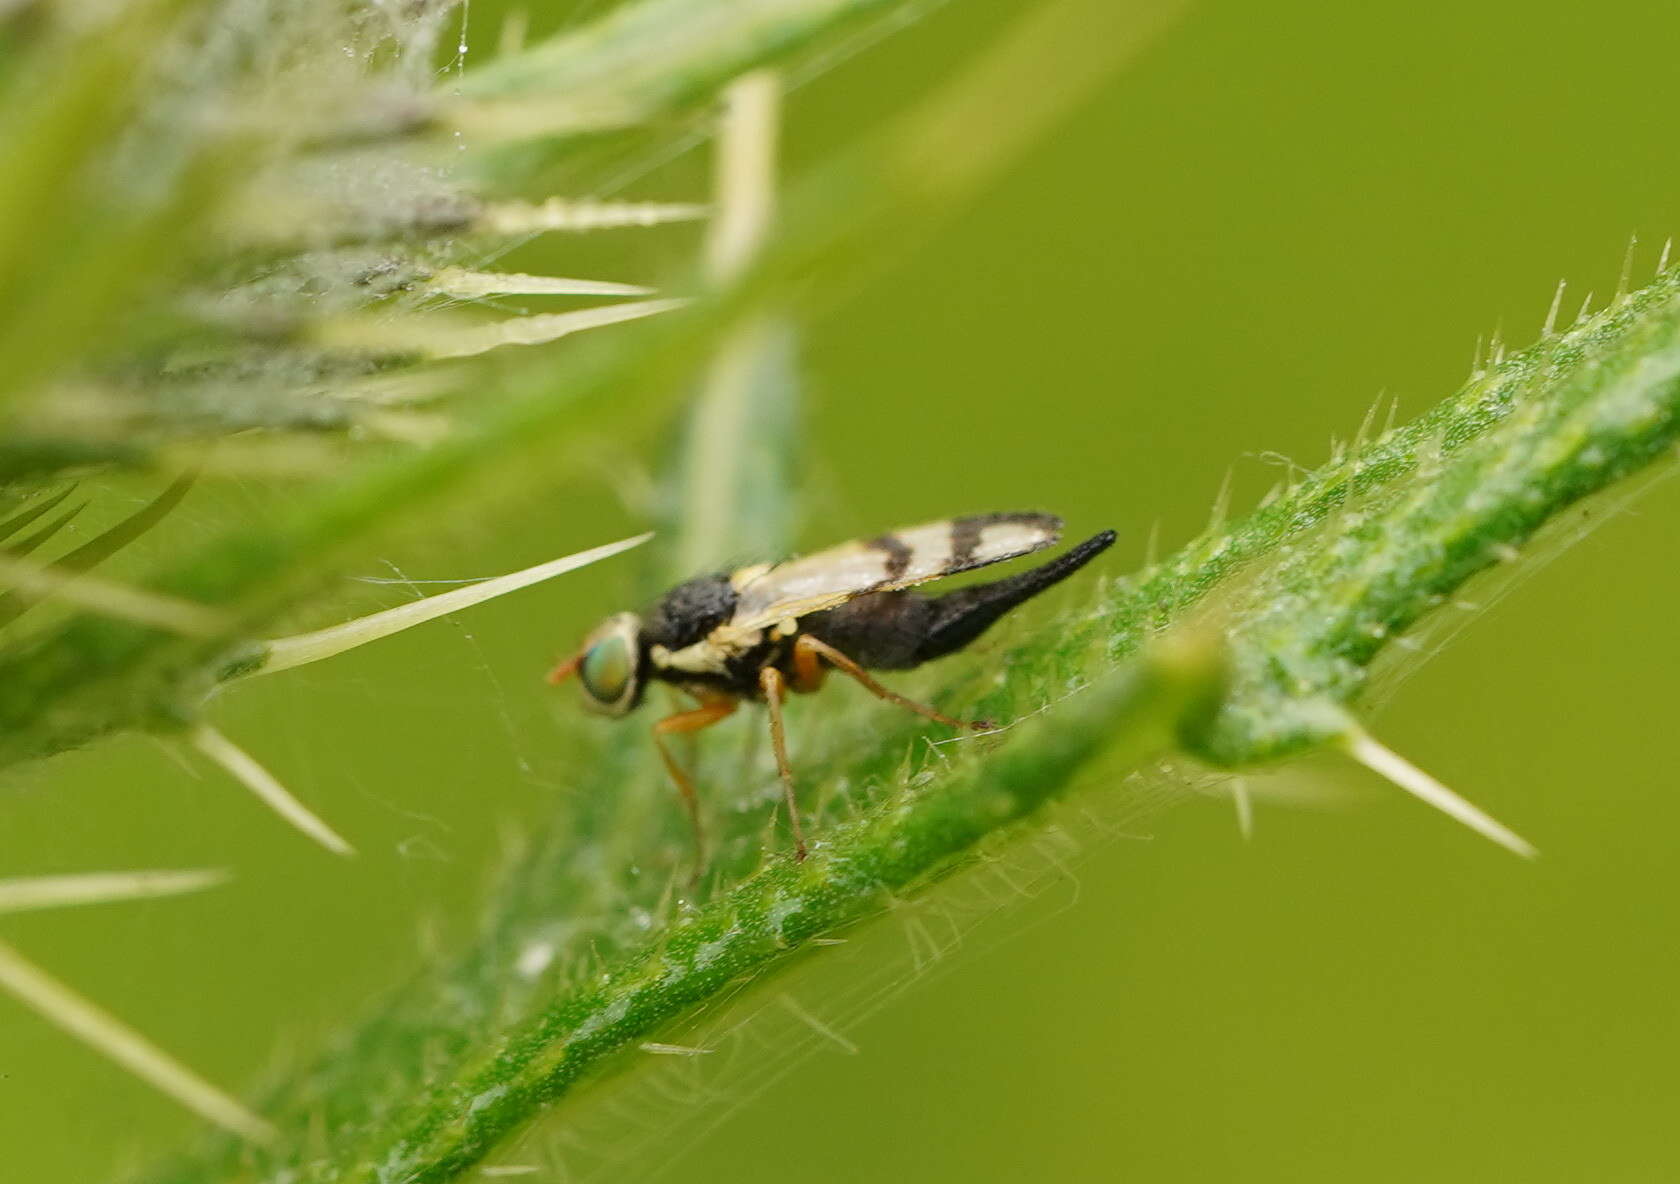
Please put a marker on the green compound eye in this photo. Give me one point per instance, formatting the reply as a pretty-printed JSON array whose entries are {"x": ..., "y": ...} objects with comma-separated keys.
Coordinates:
[{"x": 606, "y": 669}]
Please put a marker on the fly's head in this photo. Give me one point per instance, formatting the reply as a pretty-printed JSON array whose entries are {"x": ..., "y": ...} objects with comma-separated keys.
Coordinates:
[{"x": 611, "y": 666}]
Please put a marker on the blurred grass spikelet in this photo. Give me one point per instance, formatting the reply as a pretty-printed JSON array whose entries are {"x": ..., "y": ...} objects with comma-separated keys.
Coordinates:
[{"x": 227, "y": 225}]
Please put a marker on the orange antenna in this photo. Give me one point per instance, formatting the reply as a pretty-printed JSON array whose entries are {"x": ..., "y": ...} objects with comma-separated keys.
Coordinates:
[{"x": 565, "y": 670}]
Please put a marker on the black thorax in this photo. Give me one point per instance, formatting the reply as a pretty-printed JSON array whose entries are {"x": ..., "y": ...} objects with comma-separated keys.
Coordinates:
[{"x": 688, "y": 612}]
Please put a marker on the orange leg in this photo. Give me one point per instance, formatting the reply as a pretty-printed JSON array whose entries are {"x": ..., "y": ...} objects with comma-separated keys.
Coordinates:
[
  {"x": 808, "y": 652},
  {"x": 704, "y": 716},
  {"x": 770, "y": 679}
]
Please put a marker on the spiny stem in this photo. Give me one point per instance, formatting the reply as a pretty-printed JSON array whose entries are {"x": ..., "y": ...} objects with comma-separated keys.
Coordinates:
[
  {"x": 243, "y": 768},
  {"x": 1131, "y": 713}
]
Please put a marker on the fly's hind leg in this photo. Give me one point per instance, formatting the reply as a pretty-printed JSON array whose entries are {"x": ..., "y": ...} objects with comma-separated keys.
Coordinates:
[
  {"x": 809, "y": 654},
  {"x": 771, "y": 682},
  {"x": 704, "y": 716}
]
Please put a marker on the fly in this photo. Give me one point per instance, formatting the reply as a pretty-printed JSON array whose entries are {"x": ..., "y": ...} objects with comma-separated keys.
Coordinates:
[{"x": 759, "y": 632}]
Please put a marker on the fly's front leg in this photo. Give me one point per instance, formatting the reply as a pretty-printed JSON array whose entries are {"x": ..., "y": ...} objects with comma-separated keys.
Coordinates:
[
  {"x": 808, "y": 651},
  {"x": 771, "y": 683},
  {"x": 704, "y": 716}
]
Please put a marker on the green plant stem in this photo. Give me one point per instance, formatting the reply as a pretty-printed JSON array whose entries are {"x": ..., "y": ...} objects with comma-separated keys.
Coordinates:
[
  {"x": 1368, "y": 545},
  {"x": 853, "y": 871},
  {"x": 1381, "y": 534}
]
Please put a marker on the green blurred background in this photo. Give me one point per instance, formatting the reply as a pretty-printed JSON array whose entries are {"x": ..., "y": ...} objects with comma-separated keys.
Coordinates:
[{"x": 1278, "y": 214}]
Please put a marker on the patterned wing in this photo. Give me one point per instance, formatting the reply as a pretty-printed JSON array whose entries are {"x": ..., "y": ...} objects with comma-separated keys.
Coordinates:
[{"x": 899, "y": 559}]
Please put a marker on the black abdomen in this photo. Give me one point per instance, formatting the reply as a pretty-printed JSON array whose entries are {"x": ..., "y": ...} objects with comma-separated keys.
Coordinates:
[
  {"x": 900, "y": 630},
  {"x": 881, "y": 630}
]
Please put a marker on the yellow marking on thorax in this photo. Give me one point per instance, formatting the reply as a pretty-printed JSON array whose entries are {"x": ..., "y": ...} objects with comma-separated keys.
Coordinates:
[{"x": 709, "y": 655}]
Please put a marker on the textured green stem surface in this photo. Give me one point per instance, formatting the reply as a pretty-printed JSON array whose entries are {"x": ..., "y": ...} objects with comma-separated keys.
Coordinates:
[
  {"x": 854, "y": 870},
  {"x": 1278, "y": 618},
  {"x": 1369, "y": 544}
]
